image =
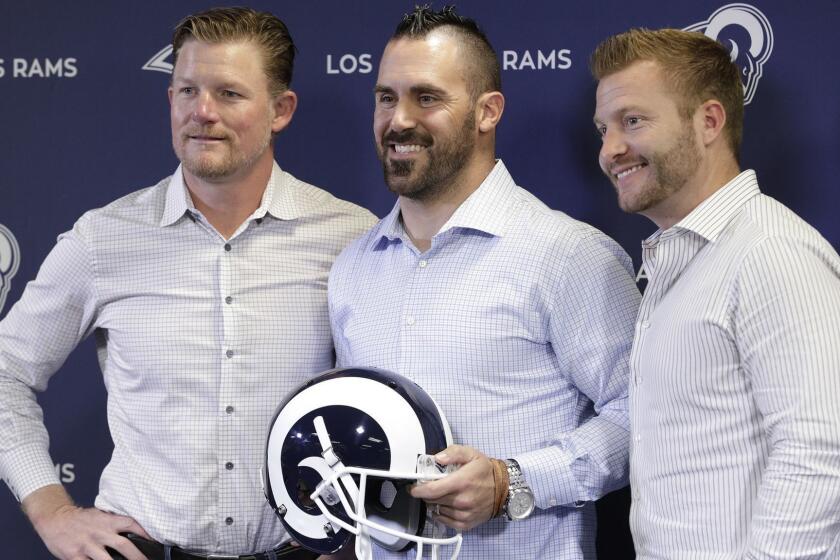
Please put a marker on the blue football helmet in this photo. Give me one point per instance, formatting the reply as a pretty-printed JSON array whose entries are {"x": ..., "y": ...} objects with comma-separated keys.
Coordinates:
[{"x": 342, "y": 450}]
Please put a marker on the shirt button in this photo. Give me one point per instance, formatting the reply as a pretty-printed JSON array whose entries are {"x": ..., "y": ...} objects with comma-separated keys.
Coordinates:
[
  {"x": 645, "y": 324},
  {"x": 423, "y": 263},
  {"x": 227, "y": 248},
  {"x": 229, "y": 466},
  {"x": 228, "y": 300},
  {"x": 637, "y": 437},
  {"x": 229, "y": 409},
  {"x": 552, "y": 502},
  {"x": 229, "y": 353},
  {"x": 228, "y": 520},
  {"x": 409, "y": 321}
]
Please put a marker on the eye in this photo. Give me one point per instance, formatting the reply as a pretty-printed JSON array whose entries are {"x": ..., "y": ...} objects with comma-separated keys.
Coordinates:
[
  {"x": 187, "y": 90},
  {"x": 601, "y": 130},
  {"x": 632, "y": 121},
  {"x": 426, "y": 99},
  {"x": 230, "y": 94},
  {"x": 385, "y": 98}
]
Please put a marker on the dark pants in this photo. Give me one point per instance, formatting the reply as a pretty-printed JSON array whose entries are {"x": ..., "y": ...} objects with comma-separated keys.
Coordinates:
[{"x": 156, "y": 551}]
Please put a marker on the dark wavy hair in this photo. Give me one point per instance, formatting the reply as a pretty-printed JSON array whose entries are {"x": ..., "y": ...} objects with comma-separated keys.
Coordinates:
[{"x": 479, "y": 56}]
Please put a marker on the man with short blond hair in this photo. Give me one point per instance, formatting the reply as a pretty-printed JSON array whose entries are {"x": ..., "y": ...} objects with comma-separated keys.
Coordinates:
[
  {"x": 735, "y": 451},
  {"x": 207, "y": 297}
]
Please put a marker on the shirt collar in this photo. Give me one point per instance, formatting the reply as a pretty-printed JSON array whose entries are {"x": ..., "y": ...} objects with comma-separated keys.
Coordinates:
[
  {"x": 483, "y": 210},
  {"x": 712, "y": 216},
  {"x": 178, "y": 201},
  {"x": 277, "y": 200}
]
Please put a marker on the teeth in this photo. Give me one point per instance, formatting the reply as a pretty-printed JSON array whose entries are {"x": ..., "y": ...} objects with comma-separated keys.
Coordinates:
[
  {"x": 627, "y": 172},
  {"x": 404, "y": 149}
]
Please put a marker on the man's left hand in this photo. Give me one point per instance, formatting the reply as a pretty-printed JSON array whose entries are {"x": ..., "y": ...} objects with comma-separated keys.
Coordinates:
[{"x": 465, "y": 497}]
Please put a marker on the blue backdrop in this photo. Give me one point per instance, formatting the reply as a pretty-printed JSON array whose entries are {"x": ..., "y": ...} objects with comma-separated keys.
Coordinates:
[{"x": 84, "y": 119}]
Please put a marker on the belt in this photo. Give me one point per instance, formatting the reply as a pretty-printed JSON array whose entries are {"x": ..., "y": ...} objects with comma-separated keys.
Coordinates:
[{"x": 157, "y": 551}]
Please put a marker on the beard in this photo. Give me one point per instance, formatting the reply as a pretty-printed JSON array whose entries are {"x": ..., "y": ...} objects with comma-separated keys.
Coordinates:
[
  {"x": 445, "y": 159},
  {"x": 670, "y": 171},
  {"x": 213, "y": 165}
]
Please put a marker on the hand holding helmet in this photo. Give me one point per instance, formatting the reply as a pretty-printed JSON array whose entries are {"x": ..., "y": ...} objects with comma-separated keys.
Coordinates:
[{"x": 341, "y": 454}]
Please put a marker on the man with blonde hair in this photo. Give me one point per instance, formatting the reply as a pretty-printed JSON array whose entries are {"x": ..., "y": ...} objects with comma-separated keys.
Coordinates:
[
  {"x": 207, "y": 297},
  {"x": 735, "y": 448}
]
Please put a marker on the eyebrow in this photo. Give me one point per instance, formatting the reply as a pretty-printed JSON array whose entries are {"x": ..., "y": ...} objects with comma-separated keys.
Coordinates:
[
  {"x": 622, "y": 111},
  {"x": 415, "y": 89}
]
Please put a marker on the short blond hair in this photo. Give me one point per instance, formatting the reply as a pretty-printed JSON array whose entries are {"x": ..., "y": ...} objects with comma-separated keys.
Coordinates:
[
  {"x": 222, "y": 25},
  {"x": 695, "y": 66}
]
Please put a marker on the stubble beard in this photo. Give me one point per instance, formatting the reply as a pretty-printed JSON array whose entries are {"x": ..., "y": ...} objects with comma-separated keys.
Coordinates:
[
  {"x": 445, "y": 159},
  {"x": 671, "y": 170},
  {"x": 210, "y": 168}
]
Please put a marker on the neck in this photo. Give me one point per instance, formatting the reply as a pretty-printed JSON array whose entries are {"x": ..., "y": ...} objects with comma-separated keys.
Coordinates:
[
  {"x": 227, "y": 202},
  {"x": 712, "y": 175},
  {"x": 423, "y": 219}
]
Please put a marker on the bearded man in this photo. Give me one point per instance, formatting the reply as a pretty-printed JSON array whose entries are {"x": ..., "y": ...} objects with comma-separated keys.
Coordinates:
[
  {"x": 516, "y": 318},
  {"x": 735, "y": 451}
]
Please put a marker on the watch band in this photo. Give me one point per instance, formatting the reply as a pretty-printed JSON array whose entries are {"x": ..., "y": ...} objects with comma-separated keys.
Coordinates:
[
  {"x": 515, "y": 478},
  {"x": 520, "y": 499}
]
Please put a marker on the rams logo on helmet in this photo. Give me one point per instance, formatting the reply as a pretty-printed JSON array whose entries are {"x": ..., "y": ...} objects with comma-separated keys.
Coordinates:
[
  {"x": 9, "y": 261},
  {"x": 749, "y": 57}
]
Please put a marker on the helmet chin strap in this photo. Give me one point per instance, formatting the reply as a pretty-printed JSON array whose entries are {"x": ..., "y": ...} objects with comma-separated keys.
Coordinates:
[{"x": 364, "y": 548}]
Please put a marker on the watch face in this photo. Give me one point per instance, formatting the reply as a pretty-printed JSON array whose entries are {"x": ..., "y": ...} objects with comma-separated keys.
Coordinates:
[{"x": 521, "y": 505}]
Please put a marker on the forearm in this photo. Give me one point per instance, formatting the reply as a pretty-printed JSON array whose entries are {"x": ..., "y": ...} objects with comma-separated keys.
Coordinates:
[
  {"x": 36, "y": 336},
  {"x": 582, "y": 466},
  {"x": 44, "y": 502},
  {"x": 796, "y": 507},
  {"x": 25, "y": 462}
]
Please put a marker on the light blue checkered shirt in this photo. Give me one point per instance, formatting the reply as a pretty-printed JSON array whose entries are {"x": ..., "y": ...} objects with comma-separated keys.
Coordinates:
[
  {"x": 199, "y": 339},
  {"x": 518, "y": 321}
]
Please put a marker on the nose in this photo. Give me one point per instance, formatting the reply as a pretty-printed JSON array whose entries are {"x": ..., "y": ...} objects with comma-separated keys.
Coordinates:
[
  {"x": 205, "y": 108},
  {"x": 613, "y": 146},
  {"x": 403, "y": 117}
]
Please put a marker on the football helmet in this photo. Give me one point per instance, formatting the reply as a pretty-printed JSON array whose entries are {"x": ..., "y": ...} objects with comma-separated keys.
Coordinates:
[{"x": 341, "y": 453}]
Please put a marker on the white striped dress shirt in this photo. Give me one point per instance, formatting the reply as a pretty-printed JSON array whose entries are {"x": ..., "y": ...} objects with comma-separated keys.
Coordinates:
[
  {"x": 199, "y": 338},
  {"x": 518, "y": 321},
  {"x": 735, "y": 376}
]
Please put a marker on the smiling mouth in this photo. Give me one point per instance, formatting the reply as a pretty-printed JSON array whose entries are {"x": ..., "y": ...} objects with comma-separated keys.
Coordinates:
[
  {"x": 622, "y": 174},
  {"x": 407, "y": 148}
]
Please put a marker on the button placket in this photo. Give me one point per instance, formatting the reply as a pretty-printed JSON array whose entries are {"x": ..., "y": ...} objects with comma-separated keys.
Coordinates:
[
  {"x": 410, "y": 313},
  {"x": 228, "y": 423}
]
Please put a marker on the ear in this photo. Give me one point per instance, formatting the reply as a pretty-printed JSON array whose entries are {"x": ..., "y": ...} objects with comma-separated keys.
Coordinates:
[
  {"x": 284, "y": 108},
  {"x": 711, "y": 118},
  {"x": 170, "y": 92},
  {"x": 489, "y": 109}
]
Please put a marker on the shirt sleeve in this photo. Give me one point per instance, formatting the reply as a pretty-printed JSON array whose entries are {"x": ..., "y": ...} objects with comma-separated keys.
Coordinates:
[
  {"x": 37, "y": 335},
  {"x": 788, "y": 334},
  {"x": 591, "y": 327}
]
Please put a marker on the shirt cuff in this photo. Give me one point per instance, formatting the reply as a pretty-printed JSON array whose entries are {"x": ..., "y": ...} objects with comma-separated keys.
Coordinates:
[
  {"x": 549, "y": 474},
  {"x": 27, "y": 468}
]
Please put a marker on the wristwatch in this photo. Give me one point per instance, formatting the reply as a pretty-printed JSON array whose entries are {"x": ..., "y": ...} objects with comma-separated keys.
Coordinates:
[{"x": 520, "y": 499}]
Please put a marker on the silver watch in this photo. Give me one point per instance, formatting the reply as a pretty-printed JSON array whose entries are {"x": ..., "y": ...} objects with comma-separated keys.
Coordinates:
[{"x": 520, "y": 500}]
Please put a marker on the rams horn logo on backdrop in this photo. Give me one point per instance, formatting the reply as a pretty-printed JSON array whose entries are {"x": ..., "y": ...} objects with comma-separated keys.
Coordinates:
[
  {"x": 158, "y": 62},
  {"x": 752, "y": 58},
  {"x": 9, "y": 261}
]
